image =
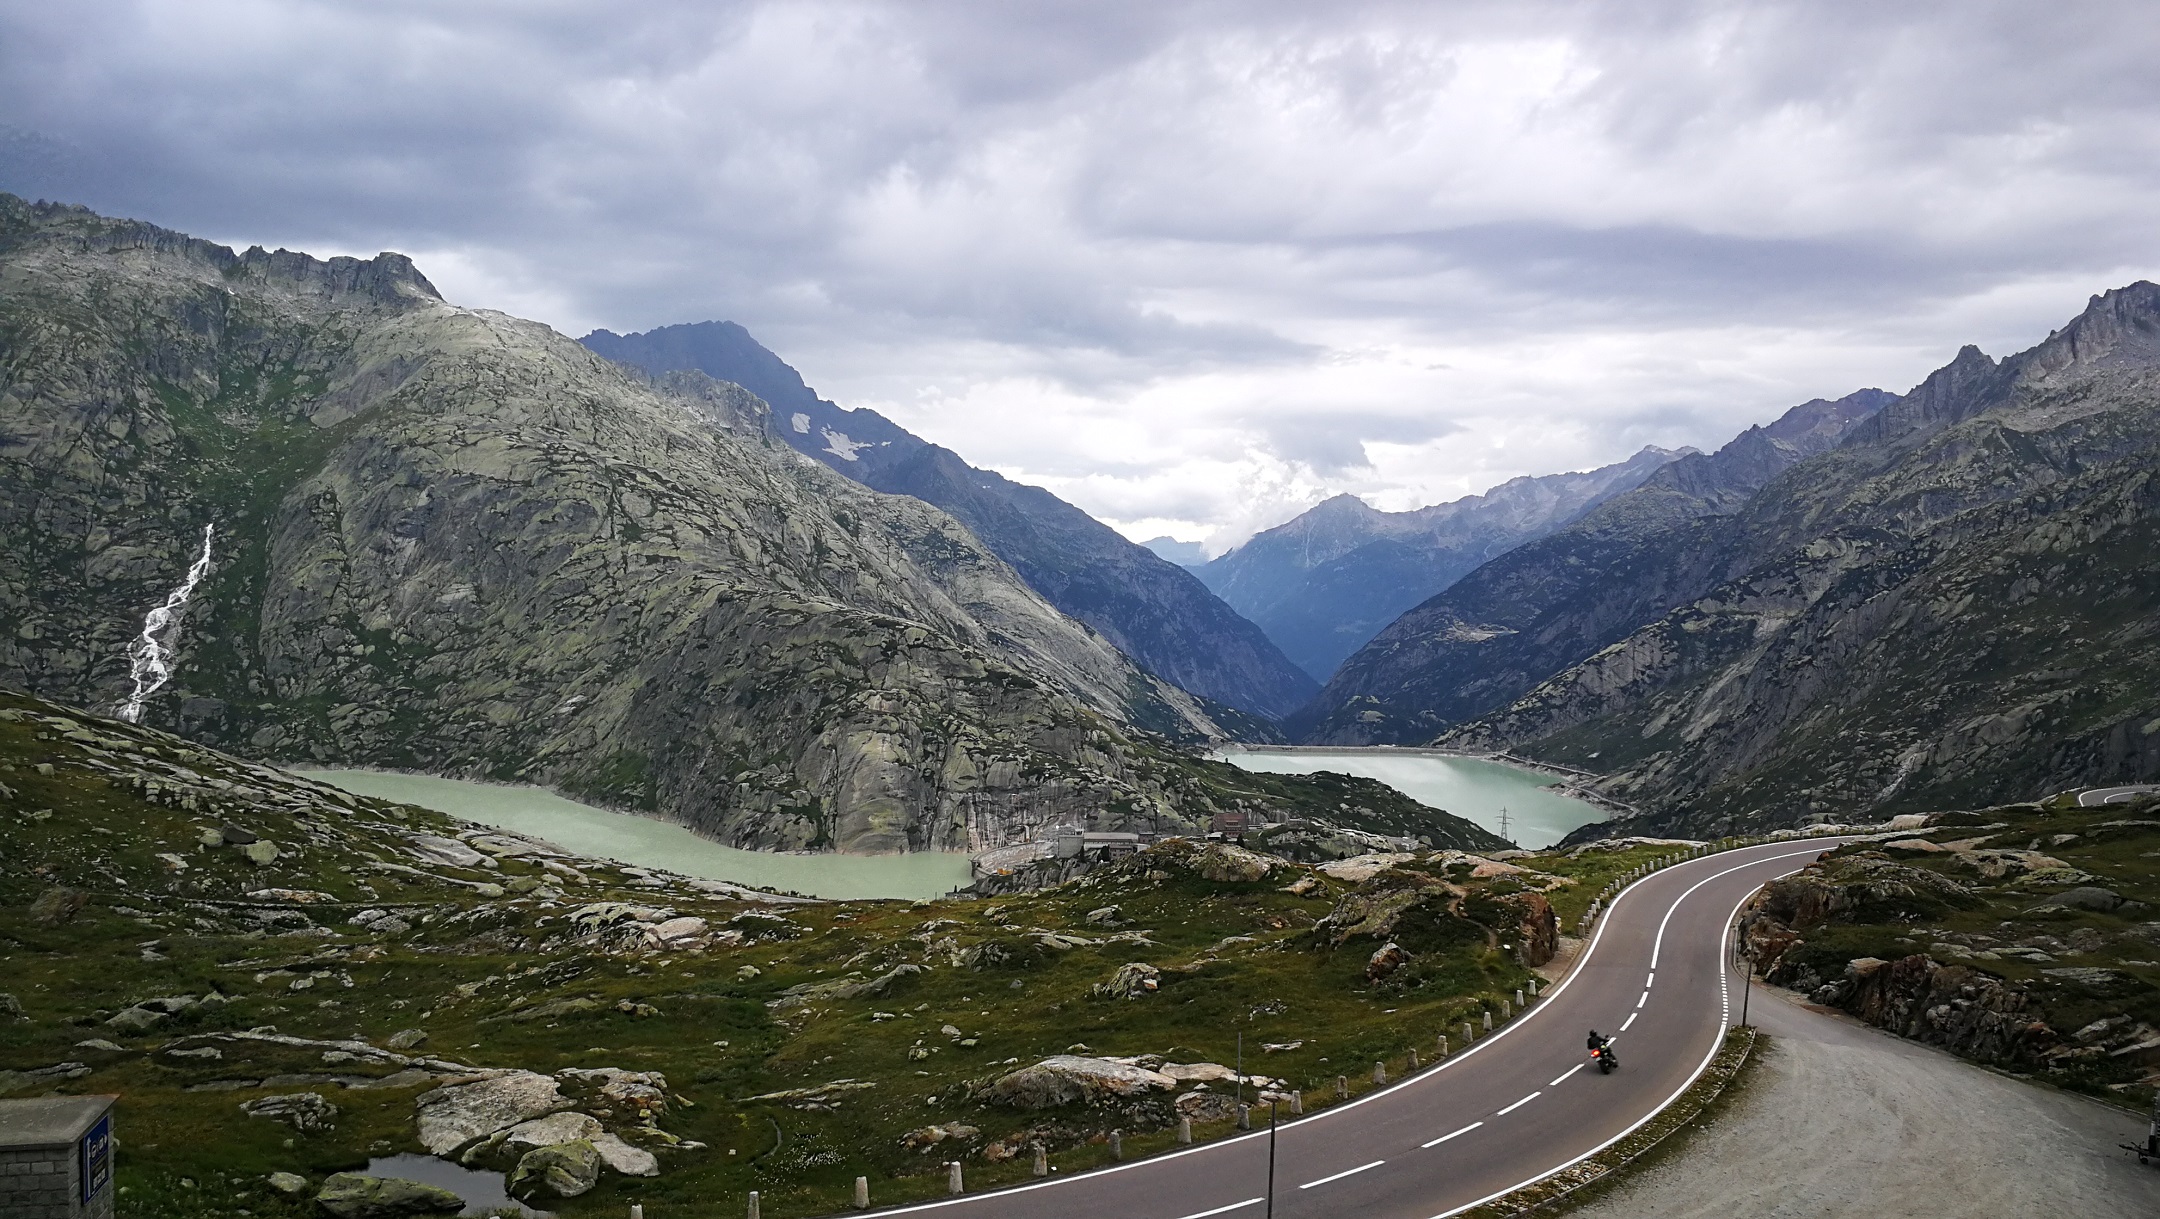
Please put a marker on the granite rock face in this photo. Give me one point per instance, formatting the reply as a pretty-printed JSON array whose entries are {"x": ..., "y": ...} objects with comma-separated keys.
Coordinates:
[
  {"x": 1531, "y": 612},
  {"x": 1953, "y": 605},
  {"x": 1153, "y": 610},
  {"x": 453, "y": 541},
  {"x": 1325, "y": 583}
]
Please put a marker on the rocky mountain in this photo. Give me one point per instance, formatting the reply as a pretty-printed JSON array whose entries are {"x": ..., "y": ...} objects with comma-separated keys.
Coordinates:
[
  {"x": 1323, "y": 584},
  {"x": 1954, "y": 606},
  {"x": 1528, "y": 614},
  {"x": 450, "y": 540},
  {"x": 1153, "y": 610}
]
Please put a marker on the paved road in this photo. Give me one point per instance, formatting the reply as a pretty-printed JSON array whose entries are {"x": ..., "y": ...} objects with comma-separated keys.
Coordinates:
[
  {"x": 2114, "y": 795},
  {"x": 1520, "y": 1104}
]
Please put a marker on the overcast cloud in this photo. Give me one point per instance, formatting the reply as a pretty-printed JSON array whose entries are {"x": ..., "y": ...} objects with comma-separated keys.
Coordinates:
[{"x": 1192, "y": 266}]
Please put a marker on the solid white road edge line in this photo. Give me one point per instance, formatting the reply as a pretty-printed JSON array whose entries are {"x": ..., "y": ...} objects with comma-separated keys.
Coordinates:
[
  {"x": 1445, "y": 1137},
  {"x": 1350, "y": 1172},
  {"x": 1218, "y": 1210},
  {"x": 1571, "y": 1070},
  {"x": 1519, "y": 1104},
  {"x": 1701, "y": 1067}
]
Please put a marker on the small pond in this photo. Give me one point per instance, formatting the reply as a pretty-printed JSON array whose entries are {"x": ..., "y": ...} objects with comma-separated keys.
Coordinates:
[
  {"x": 482, "y": 1191},
  {"x": 1471, "y": 788},
  {"x": 646, "y": 842}
]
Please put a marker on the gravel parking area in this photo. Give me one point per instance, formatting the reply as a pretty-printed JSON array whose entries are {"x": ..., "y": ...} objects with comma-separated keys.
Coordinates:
[{"x": 1841, "y": 1119}]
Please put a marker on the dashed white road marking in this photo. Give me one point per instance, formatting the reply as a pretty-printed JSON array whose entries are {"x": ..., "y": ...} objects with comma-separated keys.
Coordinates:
[
  {"x": 1348, "y": 1172},
  {"x": 1519, "y": 1104},
  {"x": 1645, "y": 999},
  {"x": 1630, "y": 1020},
  {"x": 1577, "y": 1067},
  {"x": 1650, "y": 981},
  {"x": 1224, "y": 1209},
  {"x": 1445, "y": 1137}
]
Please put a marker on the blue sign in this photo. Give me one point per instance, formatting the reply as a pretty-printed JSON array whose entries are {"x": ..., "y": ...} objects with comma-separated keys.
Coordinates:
[{"x": 97, "y": 1159}]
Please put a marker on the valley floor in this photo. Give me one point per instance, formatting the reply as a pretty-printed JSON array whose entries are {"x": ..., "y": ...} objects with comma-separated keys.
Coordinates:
[{"x": 1842, "y": 1119}]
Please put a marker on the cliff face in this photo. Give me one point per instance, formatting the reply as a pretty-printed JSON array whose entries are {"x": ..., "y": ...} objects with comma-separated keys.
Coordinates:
[
  {"x": 1551, "y": 602},
  {"x": 1323, "y": 584},
  {"x": 1956, "y": 606},
  {"x": 451, "y": 540},
  {"x": 1156, "y": 612}
]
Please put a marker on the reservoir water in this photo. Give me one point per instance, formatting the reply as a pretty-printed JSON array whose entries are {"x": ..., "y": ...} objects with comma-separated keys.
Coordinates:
[
  {"x": 1474, "y": 789},
  {"x": 649, "y": 843}
]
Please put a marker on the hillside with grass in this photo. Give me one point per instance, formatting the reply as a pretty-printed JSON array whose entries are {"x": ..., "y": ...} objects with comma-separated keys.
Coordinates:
[{"x": 278, "y": 977}]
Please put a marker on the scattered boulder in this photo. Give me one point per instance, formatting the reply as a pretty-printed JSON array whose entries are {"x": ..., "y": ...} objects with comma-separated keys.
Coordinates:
[
  {"x": 565, "y": 1170},
  {"x": 1198, "y": 1072},
  {"x": 291, "y": 1184},
  {"x": 135, "y": 1019},
  {"x": 11, "y": 1009},
  {"x": 352, "y": 1195},
  {"x": 1130, "y": 982},
  {"x": 306, "y": 1112},
  {"x": 1064, "y": 1079},
  {"x": 565, "y": 1127},
  {"x": 1360, "y": 868},
  {"x": 1107, "y": 916},
  {"x": 56, "y": 906},
  {"x": 450, "y": 1117},
  {"x": 262, "y": 853},
  {"x": 2084, "y": 897},
  {"x": 446, "y": 851},
  {"x": 643, "y": 1093},
  {"x": 930, "y": 1136},
  {"x": 1385, "y": 961},
  {"x": 851, "y": 987},
  {"x": 2094, "y": 979},
  {"x": 407, "y": 1039},
  {"x": 623, "y": 1158}
]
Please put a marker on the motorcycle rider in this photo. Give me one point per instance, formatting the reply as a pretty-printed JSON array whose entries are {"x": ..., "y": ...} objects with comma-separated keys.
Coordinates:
[{"x": 1601, "y": 1044}]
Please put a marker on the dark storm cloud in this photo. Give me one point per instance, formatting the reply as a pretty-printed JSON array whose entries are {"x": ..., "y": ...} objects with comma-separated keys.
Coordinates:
[{"x": 1188, "y": 226}]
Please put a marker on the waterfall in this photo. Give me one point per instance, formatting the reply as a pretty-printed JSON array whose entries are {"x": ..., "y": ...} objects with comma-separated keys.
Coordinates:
[{"x": 150, "y": 656}]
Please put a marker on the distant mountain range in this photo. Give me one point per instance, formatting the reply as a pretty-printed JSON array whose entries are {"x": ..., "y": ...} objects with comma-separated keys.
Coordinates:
[
  {"x": 1532, "y": 612},
  {"x": 1948, "y": 597},
  {"x": 1323, "y": 584},
  {"x": 1152, "y": 609}
]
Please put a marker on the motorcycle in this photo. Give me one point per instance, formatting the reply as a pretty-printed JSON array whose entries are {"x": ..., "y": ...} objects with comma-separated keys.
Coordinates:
[{"x": 1603, "y": 1057}]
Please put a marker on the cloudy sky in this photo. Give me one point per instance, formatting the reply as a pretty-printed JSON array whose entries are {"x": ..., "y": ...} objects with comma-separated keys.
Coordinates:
[{"x": 1191, "y": 265}]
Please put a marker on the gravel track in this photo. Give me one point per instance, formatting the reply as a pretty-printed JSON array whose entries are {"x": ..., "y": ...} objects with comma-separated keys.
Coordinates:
[{"x": 1842, "y": 1119}]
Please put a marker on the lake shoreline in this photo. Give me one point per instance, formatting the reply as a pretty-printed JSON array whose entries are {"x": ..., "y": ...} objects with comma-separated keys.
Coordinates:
[{"x": 656, "y": 843}]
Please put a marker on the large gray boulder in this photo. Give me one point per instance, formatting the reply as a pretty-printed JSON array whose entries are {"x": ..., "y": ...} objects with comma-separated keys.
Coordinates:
[
  {"x": 564, "y": 1170},
  {"x": 453, "y": 1116},
  {"x": 350, "y": 1195},
  {"x": 306, "y": 1112},
  {"x": 1063, "y": 1079}
]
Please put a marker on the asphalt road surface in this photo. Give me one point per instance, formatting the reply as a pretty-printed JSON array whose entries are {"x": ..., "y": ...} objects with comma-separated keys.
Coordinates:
[
  {"x": 2101, "y": 796},
  {"x": 1521, "y": 1103}
]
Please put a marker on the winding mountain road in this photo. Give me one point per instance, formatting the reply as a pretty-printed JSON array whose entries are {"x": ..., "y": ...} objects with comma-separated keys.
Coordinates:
[{"x": 1518, "y": 1105}]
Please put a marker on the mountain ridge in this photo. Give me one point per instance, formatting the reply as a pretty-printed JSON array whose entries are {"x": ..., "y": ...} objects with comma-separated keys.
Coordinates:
[
  {"x": 1523, "y": 616},
  {"x": 1954, "y": 604},
  {"x": 455, "y": 541},
  {"x": 1327, "y": 581},
  {"x": 1153, "y": 610}
]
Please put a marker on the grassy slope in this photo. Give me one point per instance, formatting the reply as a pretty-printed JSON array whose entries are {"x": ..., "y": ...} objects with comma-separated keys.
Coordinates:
[{"x": 149, "y": 929}]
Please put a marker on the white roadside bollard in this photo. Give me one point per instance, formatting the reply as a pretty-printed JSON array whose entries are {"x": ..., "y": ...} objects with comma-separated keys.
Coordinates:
[{"x": 952, "y": 1178}]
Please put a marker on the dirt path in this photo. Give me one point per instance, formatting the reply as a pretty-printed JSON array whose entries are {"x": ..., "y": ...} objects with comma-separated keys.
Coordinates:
[{"x": 1841, "y": 1119}]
